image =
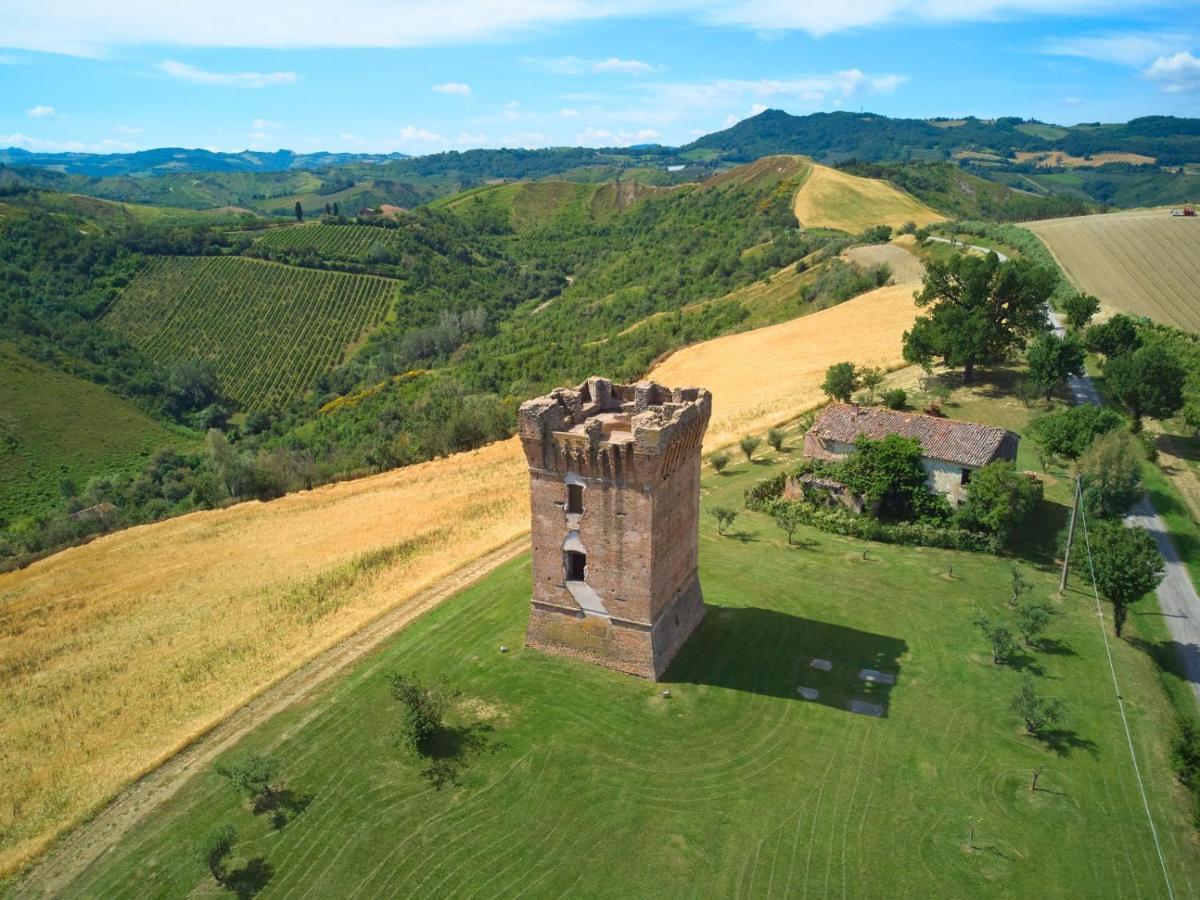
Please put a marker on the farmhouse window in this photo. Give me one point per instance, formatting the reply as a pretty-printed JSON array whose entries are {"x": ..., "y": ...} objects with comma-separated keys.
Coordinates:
[
  {"x": 576, "y": 562},
  {"x": 966, "y": 476},
  {"x": 574, "y": 498}
]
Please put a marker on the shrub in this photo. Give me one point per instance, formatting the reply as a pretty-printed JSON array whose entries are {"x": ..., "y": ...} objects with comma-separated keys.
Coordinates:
[
  {"x": 1069, "y": 432},
  {"x": 775, "y": 438},
  {"x": 1033, "y": 616},
  {"x": 425, "y": 708},
  {"x": 999, "y": 636},
  {"x": 896, "y": 398},
  {"x": 719, "y": 460},
  {"x": 765, "y": 490},
  {"x": 749, "y": 444},
  {"x": 999, "y": 499},
  {"x": 213, "y": 849},
  {"x": 1036, "y": 712},
  {"x": 254, "y": 775},
  {"x": 724, "y": 516},
  {"x": 840, "y": 382}
]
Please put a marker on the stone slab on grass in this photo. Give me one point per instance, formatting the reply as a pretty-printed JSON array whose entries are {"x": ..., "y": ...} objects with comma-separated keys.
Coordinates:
[
  {"x": 876, "y": 677},
  {"x": 808, "y": 693},
  {"x": 822, "y": 665},
  {"x": 863, "y": 708}
]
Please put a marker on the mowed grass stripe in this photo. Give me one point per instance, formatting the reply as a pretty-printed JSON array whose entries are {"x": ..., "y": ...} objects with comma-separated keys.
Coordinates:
[{"x": 270, "y": 330}]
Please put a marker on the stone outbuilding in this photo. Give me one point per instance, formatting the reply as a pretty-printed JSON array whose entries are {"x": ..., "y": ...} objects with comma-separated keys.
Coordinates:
[
  {"x": 615, "y": 499},
  {"x": 950, "y": 450}
]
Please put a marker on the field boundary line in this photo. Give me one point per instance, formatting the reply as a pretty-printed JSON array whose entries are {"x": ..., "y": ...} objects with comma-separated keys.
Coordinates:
[
  {"x": 1121, "y": 708},
  {"x": 75, "y": 850}
]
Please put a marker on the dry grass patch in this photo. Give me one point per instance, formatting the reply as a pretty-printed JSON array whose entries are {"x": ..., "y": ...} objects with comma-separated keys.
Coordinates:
[
  {"x": 905, "y": 265},
  {"x": 763, "y": 377},
  {"x": 1145, "y": 262},
  {"x": 832, "y": 199},
  {"x": 115, "y": 654},
  {"x": 1054, "y": 158}
]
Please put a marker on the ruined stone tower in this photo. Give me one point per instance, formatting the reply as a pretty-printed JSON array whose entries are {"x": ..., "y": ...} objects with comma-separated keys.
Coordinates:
[{"x": 615, "y": 491}]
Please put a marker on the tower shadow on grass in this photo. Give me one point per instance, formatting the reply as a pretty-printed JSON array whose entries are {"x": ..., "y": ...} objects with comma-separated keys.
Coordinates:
[{"x": 764, "y": 651}]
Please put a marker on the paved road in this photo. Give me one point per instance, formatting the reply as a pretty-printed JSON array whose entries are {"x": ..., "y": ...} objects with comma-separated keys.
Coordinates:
[
  {"x": 943, "y": 240},
  {"x": 1176, "y": 595}
]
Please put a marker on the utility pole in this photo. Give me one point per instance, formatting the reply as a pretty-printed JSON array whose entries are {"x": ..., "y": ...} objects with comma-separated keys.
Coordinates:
[{"x": 1062, "y": 584}]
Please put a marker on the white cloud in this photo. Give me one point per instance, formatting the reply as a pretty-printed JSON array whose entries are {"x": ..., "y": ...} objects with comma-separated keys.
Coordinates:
[
  {"x": 568, "y": 113},
  {"x": 410, "y": 134},
  {"x": 226, "y": 79},
  {"x": 1178, "y": 74},
  {"x": 604, "y": 137},
  {"x": 126, "y": 129},
  {"x": 38, "y": 145},
  {"x": 809, "y": 91},
  {"x": 40, "y": 112},
  {"x": 265, "y": 124},
  {"x": 88, "y": 28},
  {"x": 623, "y": 66},
  {"x": 453, "y": 87},
  {"x": 1131, "y": 48}
]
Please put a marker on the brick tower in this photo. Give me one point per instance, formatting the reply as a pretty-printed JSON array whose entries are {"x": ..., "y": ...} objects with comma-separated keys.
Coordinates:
[{"x": 615, "y": 495}]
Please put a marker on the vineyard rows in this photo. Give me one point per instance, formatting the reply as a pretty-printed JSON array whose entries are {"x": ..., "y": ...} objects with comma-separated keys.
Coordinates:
[
  {"x": 337, "y": 241},
  {"x": 270, "y": 330}
]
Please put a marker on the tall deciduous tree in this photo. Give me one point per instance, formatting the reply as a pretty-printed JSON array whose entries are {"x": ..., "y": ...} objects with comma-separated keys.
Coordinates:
[
  {"x": 299, "y": 212},
  {"x": 1115, "y": 337},
  {"x": 1070, "y": 431},
  {"x": 1148, "y": 382},
  {"x": 980, "y": 310},
  {"x": 1128, "y": 566},
  {"x": 840, "y": 381},
  {"x": 999, "y": 499},
  {"x": 1112, "y": 474},
  {"x": 1079, "y": 309},
  {"x": 1053, "y": 359}
]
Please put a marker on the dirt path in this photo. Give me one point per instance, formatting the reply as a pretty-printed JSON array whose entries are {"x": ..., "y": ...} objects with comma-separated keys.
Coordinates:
[{"x": 76, "y": 850}]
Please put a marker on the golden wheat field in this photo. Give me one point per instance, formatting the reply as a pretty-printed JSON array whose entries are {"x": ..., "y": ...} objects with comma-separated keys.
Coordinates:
[
  {"x": 767, "y": 376},
  {"x": 114, "y": 654},
  {"x": 1145, "y": 262},
  {"x": 832, "y": 199}
]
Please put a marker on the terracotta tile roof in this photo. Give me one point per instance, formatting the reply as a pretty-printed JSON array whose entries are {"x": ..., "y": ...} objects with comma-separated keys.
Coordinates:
[{"x": 962, "y": 443}]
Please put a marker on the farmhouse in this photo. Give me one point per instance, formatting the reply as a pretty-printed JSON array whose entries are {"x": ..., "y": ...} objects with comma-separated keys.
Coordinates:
[
  {"x": 615, "y": 500},
  {"x": 950, "y": 450}
]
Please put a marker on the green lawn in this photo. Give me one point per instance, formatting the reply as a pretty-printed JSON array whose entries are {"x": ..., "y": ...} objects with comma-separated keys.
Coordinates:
[
  {"x": 54, "y": 426},
  {"x": 572, "y": 779}
]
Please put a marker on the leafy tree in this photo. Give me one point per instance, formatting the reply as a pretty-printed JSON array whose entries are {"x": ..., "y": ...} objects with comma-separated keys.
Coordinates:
[
  {"x": 1052, "y": 359},
  {"x": 1148, "y": 382},
  {"x": 255, "y": 776},
  {"x": 1128, "y": 566},
  {"x": 749, "y": 444},
  {"x": 789, "y": 518},
  {"x": 724, "y": 516},
  {"x": 888, "y": 474},
  {"x": 336, "y": 211},
  {"x": 328, "y": 209},
  {"x": 871, "y": 377},
  {"x": 719, "y": 460},
  {"x": 841, "y": 379},
  {"x": 775, "y": 438},
  {"x": 999, "y": 499},
  {"x": 1037, "y": 712},
  {"x": 1115, "y": 337},
  {"x": 896, "y": 398},
  {"x": 1185, "y": 751},
  {"x": 1112, "y": 474},
  {"x": 1069, "y": 432},
  {"x": 999, "y": 637},
  {"x": 214, "y": 848},
  {"x": 1019, "y": 586},
  {"x": 299, "y": 212},
  {"x": 980, "y": 310},
  {"x": 191, "y": 385},
  {"x": 1033, "y": 616},
  {"x": 1079, "y": 309},
  {"x": 425, "y": 708}
]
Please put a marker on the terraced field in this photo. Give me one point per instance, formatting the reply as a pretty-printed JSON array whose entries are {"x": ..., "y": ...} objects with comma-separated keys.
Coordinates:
[
  {"x": 568, "y": 780},
  {"x": 829, "y": 198},
  {"x": 270, "y": 330},
  {"x": 336, "y": 241},
  {"x": 1144, "y": 262}
]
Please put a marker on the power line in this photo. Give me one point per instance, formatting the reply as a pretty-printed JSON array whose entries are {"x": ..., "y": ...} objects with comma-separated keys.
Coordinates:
[{"x": 1117, "y": 690}]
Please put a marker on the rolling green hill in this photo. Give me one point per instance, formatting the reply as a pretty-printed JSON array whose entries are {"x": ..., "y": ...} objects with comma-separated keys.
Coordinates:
[
  {"x": 56, "y": 428},
  {"x": 525, "y": 204},
  {"x": 269, "y": 330}
]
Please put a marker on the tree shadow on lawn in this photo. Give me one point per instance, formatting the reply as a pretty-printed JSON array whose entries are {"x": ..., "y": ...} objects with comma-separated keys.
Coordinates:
[
  {"x": 746, "y": 537},
  {"x": 451, "y": 748},
  {"x": 282, "y": 805},
  {"x": 1063, "y": 741},
  {"x": 767, "y": 652},
  {"x": 1054, "y": 647},
  {"x": 250, "y": 879},
  {"x": 1036, "y": 540},
  {"x": 1171, "y": 656}
]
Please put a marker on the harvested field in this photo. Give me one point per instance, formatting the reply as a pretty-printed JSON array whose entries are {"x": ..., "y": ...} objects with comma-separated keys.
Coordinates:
[
  {"x": 115, "y": 654},
  {"x": 1056, "y": 158},
  {"x": 1143, "y": 262},
  {"x": 832, "y": 199},
  {"x": 764, "y": 377},
  {"x": 905, "y": 265}
]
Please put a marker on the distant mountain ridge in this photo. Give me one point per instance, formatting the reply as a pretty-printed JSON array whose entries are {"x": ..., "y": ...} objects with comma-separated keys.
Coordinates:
[{"x": 170, "y": 160}]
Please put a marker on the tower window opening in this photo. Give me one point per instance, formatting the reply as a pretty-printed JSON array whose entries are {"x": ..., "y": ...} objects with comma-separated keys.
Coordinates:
[
  {"x": 576, "y": 562},
  {"x": 574, "y": 498}
]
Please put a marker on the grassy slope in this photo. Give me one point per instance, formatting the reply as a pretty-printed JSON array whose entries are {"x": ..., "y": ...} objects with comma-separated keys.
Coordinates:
[
  {"x": 833, "y": 199},
  {"x": 55, "y": 426},
  {"x": 577, "y": 780},
  {"x": 1145, "y": 262},
  {"x": 269, "y": 329},
  {"x": 525, "y": 204}
]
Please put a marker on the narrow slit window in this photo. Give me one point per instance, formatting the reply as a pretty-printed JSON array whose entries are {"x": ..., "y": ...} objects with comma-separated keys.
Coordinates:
[
  {"x": 574, "y": 498},
  {"x": 966, "y": 476},
  {"x": 576, "y": 562}
]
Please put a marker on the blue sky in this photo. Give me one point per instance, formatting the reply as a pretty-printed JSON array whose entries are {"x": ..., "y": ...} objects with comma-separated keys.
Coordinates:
[{"x": 378, "y": 76}]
